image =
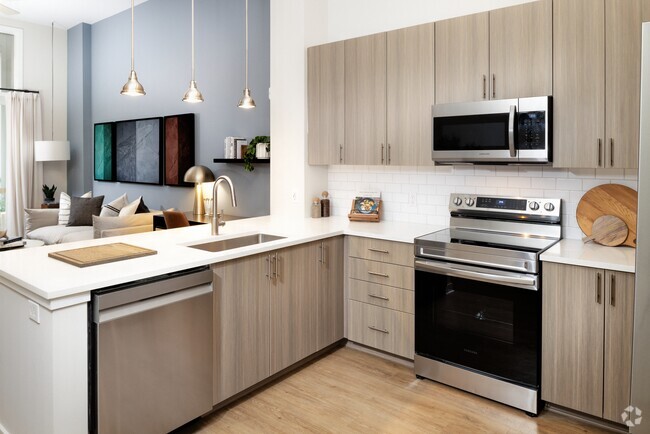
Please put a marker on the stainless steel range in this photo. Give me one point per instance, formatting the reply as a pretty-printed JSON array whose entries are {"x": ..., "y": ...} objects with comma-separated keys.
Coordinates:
[{"x": 478, "y": 297}]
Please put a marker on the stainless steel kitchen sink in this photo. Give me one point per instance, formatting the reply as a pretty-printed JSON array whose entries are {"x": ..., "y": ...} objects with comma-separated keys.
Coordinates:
[{"x": 234, "y": 243}]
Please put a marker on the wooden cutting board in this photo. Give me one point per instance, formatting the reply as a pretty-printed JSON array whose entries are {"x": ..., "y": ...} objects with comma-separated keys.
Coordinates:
[
  {"x": 87, "y": 256},
  {"x": 609, "y": 199},
  {"x": 608, "y": 230}
]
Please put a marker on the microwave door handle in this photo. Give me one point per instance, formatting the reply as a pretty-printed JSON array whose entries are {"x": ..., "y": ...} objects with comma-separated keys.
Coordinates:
[{"x": 511, "y": 131}]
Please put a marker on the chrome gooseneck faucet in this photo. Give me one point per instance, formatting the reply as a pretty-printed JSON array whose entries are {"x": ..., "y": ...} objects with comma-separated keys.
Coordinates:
[{"x": 216, "y": 217}]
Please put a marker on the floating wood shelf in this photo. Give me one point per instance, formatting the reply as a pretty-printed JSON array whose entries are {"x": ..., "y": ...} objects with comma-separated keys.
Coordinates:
[{"x": 241, "y": 160}]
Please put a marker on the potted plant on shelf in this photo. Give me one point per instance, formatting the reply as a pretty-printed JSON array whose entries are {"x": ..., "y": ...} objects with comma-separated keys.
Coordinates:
[
  {"x": 49, "y": 193},
  {"x": 259, "y": 147}
]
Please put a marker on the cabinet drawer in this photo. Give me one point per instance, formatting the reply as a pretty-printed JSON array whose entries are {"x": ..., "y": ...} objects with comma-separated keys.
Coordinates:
[
  {"x": 379, "y": 272},
  {"x": 381, "y": 250},
  {"x": 384, "y": 329},
  {"x": 382, "y": 295}
]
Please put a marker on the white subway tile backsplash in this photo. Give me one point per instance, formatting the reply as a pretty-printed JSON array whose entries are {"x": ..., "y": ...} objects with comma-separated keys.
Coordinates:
[{"x": 432, "y": 186}]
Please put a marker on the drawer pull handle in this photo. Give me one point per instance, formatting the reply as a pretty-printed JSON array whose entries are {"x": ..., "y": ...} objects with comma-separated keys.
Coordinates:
[
  {"x": 377, "y": 274},
  {"x": 381, "y": 297},
  {"x": 378, "y": 329},
  {"x": 378, "y": 250},
  {"x": 612, "y": 294}
]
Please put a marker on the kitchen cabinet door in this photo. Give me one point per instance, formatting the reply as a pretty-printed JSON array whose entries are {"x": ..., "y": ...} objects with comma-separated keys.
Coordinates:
[
  {"x": 365, "y": 100},
  {"x": 578, "y": 83},
  {"x": 326, "y": 103},
  {"x": 622, "y": 82},
  {"x": 330, "y": 292},
  {"x": 521, "y": 50},
  {"x": 619, "y": 326},
  {"x": 241, "y": 325},
  {"x": 462, "y": 50},
  {"x": 573, "y": 320},
  {"x": 410, "y": 77},
  {"x": 294, "y": 305}
]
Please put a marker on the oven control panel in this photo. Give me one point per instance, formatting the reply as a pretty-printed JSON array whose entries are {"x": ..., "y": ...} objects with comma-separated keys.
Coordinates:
[{"x": 473, "y": 204}]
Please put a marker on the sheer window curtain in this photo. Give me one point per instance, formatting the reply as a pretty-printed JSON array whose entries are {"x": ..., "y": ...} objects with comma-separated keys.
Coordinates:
[{"x": 24, "y": 175}]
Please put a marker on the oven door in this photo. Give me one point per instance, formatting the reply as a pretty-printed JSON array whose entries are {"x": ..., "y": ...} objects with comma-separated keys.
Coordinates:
[
  {"x": 475, "y": 131},
  {"x": 482, "y": 319}
]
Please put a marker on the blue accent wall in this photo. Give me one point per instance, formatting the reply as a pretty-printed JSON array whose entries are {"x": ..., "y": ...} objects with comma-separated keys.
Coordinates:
[{"x": 163, "y": 65}]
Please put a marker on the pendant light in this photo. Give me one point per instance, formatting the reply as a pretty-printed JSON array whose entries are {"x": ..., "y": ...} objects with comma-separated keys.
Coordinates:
[
  {"x": 193, "y": 94},
  {"x": 247, "y": 102},
  {"x": 132, "y": 86},
  {"x": 52, "y": 150}
]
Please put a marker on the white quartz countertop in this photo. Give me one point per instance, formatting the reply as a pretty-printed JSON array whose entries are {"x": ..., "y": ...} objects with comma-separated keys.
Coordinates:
[
  {"x": 575, "y": 252},
  {"x": 36, "y": 274}
]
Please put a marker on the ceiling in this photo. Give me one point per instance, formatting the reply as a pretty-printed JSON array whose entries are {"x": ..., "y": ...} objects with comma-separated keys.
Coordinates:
[{"x": 65, "y": 13}]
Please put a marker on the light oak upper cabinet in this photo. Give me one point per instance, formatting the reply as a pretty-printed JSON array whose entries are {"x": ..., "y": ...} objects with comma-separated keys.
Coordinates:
[
  {"x": 326, "y": 103},
  {"x": 365, "y": 100},
  {"x": 587, "y": 324},
  {"x": 410, "y": 79},
  {"x": 596, "y": 79},
  {"x": 462, "y": 64},
  {"x": 521, "y": 51}
]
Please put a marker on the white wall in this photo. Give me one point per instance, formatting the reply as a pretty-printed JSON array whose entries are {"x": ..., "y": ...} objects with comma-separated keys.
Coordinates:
[{"x": 37, "y": 75}]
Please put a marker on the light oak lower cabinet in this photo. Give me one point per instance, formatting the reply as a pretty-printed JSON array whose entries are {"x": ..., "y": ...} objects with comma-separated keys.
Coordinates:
[
  {"x": 380, "y": 299},
  {"x": 273, "y": 310},
  {"x": 587, "y": 323}
]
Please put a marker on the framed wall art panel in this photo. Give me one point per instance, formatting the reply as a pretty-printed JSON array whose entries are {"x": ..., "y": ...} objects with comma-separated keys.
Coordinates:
[
  {"x": 139, "y": 148},
  {"x": 179, "y": 148},
  {"x": 104, "y": 151}
]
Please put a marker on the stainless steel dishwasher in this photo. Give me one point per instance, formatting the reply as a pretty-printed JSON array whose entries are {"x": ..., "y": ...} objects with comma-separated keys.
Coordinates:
[{"x": 151, "y": 353}]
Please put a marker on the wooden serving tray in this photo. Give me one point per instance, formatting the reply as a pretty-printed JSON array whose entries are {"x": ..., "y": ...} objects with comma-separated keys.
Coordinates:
[{"x": 88, "y": 256}]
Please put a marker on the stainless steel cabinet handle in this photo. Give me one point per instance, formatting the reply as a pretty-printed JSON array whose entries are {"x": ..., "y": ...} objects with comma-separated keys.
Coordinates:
[
  {"x": 484, "y": 87},
  {"x": 598, "y": 289},
  {"x": 378, "y": 250},
  {"x": 381, "y": 297},
  {"x": 494, "y": 91},
  {"x": 612, "y": 292},
  {"x": 388, "y": 152},
  {"x": 377, "y": 274},
  {"x": 382, "y": 153},
  {"x": 600, "y": 152},
  {"x": 378, "y": 329},
  {"x": 611, "y": 152},
  {"x": 268, "y": 266},
  {"x": 341, "y": 154},
  {"x": 322, "y": 253}
]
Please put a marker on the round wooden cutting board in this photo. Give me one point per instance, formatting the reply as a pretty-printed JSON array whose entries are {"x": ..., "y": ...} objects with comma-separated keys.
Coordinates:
[{"x": 609, "y": 199}]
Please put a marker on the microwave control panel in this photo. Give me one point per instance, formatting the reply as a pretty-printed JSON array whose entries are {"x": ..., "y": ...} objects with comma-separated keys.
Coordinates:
[{"x": 531, "y": 130}]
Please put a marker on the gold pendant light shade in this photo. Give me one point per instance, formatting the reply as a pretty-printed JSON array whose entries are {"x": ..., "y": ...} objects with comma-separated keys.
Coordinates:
[
  {"x": 132, "y": 86},
  {"x": 247, "y": 101}
]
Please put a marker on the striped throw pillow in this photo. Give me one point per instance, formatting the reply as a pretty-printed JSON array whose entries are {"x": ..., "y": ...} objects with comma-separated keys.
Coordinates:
[
  {"x": 64, "y": 206},
  {"x": 113, "y": 209}
]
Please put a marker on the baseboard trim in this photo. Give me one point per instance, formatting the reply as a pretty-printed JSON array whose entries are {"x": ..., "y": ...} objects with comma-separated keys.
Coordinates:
[{"x": 586, "y": 418}]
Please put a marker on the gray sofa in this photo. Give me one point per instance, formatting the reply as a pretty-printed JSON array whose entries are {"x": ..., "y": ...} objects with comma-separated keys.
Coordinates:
[{"x": 42, "y": 224}]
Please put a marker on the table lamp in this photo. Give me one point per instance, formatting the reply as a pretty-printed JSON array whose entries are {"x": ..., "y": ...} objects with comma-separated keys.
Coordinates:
[{"x": 198, "y": 175}]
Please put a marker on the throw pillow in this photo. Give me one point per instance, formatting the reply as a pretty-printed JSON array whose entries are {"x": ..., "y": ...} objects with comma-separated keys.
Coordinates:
[
  {"x": 64, "y": 206},
  {"x": 112, "y": 209},
  {"x": 130, "y": 208},
  {"x": 83, "y": 209},
  {"x": 142, "y": 208}
]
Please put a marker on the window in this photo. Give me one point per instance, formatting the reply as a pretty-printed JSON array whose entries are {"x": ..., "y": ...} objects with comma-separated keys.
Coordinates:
[{"x": 11, "y": 77}]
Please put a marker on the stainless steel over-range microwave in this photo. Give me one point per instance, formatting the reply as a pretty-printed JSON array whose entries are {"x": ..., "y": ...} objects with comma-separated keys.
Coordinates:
[{"x": 507, "y": 131}]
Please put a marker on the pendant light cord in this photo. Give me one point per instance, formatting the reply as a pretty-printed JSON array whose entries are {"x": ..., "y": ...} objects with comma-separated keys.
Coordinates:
[
  {"x": 246, "y": 44},
  {"x": 52, "y": 103},
  {"x": 132, "y": 18},
  {"x": 192, "y": 40}
]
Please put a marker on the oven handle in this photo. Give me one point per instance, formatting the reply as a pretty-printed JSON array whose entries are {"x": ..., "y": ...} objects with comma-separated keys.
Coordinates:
[{"x": 456, "y": 270}]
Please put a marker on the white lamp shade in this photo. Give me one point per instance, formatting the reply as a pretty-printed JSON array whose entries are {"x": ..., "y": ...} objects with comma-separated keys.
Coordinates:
[{"x": 51, "y": 150}]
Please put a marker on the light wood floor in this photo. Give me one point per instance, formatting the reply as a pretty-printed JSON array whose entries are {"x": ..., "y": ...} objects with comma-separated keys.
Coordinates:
[{"x": 350, "y": 391}]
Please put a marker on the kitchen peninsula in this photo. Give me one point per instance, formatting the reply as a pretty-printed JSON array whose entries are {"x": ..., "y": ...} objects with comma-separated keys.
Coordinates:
[{"x": 44, "y": 377}]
